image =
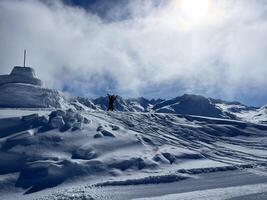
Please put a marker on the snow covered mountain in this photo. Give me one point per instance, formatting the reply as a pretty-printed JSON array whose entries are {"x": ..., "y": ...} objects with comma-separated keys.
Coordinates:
[
  {"x": 261, "y": 115},
  {"x": 186, "y": 104},
  {"x": 131, "y": 105},
  {"x": 255, "y": 115},
  {"x": 192, "y": 105}
]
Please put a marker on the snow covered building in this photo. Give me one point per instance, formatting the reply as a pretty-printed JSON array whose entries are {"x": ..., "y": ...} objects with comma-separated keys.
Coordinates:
[
  {"x": 22, "y": 89},
  {"x": 21, "y": 75}
]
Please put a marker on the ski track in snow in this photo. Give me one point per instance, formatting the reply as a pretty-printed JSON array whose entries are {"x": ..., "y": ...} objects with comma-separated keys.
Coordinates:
[
  {"x": 208, "y": 138},
  {"x": 124, "y": 148}
]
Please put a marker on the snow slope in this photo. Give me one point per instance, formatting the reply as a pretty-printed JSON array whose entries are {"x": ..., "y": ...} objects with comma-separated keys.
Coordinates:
[
  {"x": 192, "y": 105},
  {"x": 20, "y": 95},
  {"x": 257, "y": 116},
  {"x": 47, "y": 150}
]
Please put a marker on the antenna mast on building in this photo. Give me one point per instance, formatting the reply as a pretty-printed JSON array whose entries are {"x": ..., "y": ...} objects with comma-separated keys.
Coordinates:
[{"x": 24, "y": 57}]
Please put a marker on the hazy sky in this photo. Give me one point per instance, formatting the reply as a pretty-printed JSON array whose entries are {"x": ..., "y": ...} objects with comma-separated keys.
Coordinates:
[{"x": 148, "y": 48}]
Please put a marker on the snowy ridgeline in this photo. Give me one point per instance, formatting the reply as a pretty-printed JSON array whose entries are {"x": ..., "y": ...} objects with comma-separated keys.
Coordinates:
[
  {"x": 186, "y": 104},
  {"x": 22, "y": 89},
  {"x": 120, "y": 148},
  {"x": 19, "y": 95}
]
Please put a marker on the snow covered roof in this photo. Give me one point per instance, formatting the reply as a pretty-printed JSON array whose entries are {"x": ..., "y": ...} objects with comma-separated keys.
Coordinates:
[{"x": 21, "y": 75}]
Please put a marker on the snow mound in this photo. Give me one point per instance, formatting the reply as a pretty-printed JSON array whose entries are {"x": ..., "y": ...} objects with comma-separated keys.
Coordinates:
[{"x": 18, "y": 95}]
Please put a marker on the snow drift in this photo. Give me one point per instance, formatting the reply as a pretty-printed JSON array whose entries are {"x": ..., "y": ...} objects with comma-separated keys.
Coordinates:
[
  {"x": 50, "y": 148},
  {"x": 18, "y": 95}
]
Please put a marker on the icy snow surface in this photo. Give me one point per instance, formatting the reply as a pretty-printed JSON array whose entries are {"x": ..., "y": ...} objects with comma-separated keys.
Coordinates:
[{"x": 82, "y": 154}]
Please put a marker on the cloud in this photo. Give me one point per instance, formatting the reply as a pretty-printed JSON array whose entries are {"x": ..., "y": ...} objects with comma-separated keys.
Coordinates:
[{"x": 154, "y": 52}]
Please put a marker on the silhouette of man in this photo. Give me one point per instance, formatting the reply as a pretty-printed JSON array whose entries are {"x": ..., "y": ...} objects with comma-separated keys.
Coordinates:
[{"x": 112, "y": 99}]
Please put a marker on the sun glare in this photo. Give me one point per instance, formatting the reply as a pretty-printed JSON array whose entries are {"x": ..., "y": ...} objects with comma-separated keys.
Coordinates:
[{"x": 195, "y": 9}]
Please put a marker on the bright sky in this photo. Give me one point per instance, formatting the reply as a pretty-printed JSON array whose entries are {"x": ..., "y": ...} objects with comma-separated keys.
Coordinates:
[
  {"x": 196, "y": 10},
  {"x": 152, "y": 48}
]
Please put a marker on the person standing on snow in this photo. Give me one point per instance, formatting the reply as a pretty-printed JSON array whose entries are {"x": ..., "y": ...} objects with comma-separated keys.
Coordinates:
[{"x": 112, "y": 99}]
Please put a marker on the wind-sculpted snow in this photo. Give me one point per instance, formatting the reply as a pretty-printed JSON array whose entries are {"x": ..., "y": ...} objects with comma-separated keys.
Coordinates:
[
  {"x": 124, "y": 147},
  {"x": 19, "y": 95}
]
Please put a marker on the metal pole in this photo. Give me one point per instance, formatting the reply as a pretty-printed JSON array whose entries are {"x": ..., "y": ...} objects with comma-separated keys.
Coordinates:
[{"x": 24, "y": 57}]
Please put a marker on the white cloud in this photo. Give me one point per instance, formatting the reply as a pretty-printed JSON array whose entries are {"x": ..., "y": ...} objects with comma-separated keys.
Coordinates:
[{"x": 224, "y": 55}]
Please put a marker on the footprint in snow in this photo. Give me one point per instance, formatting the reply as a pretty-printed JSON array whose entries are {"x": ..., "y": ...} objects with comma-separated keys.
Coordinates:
[
  {"x": 98, "y": 135},
  {"x": 114, "y": 128},
  {"x": 107, "y": 133},
  {"x": 103, "y": 133}
]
